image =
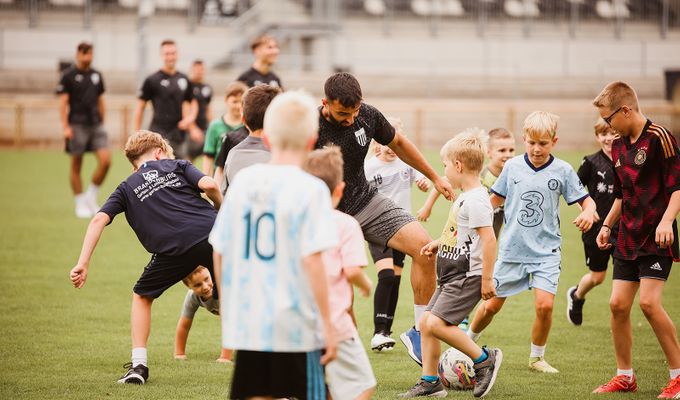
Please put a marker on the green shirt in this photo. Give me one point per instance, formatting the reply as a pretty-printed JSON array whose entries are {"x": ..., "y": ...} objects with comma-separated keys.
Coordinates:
[{"x": 215, "y": 135}]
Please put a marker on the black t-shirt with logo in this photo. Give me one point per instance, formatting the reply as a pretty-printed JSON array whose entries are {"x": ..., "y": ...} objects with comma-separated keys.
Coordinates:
[
  {"x": 253, "y": 77},
  {"x": 203, "y": 95},
  {"x": 230, "y": 141},
  {"x": 166, "y": 93},
  {"x": 83, "y": 89},
  {"x": 597, "y": 175},
  {"x": 163, "y": 205},
  {"x": 354, "y": 141}
]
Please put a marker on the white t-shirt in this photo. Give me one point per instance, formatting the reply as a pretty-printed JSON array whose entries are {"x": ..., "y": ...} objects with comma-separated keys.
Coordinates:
[
  {"x": 393, "y": 179},
  {"x": 460, "y": 248},
  {"x": 272, "y": 217},
  {"x": 192, "y": 302}
]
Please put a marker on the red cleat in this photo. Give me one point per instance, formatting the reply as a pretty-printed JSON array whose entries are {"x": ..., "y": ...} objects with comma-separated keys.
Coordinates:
[
  {"x": 619, "y": 383},
  {"x": 672, "y": 390}
]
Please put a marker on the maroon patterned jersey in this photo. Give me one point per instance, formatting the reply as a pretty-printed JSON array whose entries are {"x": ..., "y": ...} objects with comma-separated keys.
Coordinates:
[{"x": 647, "y": 173}]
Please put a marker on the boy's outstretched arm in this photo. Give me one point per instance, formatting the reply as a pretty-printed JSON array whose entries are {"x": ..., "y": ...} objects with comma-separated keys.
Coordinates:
[
  {"x": 314, "y": 268},
  {"x": 588, "y": 216},
  {"x": 602, "y": 239},
  {"x": 424, "y": 213},
  {"x": 488, "y": 239},
  {"x": 212, "y": 190},
  {"x": 664, "y": 232},
  {"x": 181, "y": 335},
  {"x": 357, "y": 277},
  {"x": 78, "y": 274}
]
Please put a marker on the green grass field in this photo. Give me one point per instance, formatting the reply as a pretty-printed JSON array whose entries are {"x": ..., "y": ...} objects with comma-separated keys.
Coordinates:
[{"x": 57, "y": 342}]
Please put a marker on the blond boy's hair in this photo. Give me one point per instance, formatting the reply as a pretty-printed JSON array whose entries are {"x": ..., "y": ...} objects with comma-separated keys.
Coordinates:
[
  {"x": 186, "y": 280},
  {"x": 616, "y": 95},
  {"x": 326, "y": 164},
  {"x": 468, "y": 148},
  {"x": 497, "y": 134},
  {"x": 540, "y": 123},
  {"x": 602, "y": 127},
  {"x": 291, "y": 120},
  {"x": 143, "y": 141}
]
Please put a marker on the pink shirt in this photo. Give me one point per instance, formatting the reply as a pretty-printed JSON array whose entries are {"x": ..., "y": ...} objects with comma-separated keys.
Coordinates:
[{"x": 349, "y": 253}]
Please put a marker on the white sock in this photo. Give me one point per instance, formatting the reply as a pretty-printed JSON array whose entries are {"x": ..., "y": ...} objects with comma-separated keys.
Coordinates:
[
  {"x": 626, "y": 372},
  {"x": 92, "y": 190},
  {"x": 80, "y": 197},
  {"x": 537, "y": 351},
  {"x": 139, "y": 356},
  {"x": 473, "y": 335},
  {"x": 417, "y": 313},
  {"x": 674, "y": 373}
]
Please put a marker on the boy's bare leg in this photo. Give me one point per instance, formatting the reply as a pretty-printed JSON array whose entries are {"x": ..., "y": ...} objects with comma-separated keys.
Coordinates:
[
  {"x": 430, "y": 345},
  {"x": 485, "y": 313},
  {"x": 650, "y": 302},
  {"x": 366, "y": 394},
  {"x": 141, "y": 320},
  {"x": 620, "y": 303},
  {"x": 410, "y": 239},
  {"x": 74, "y": 174},
  {"x": 544, "y": 306},
  {"x": 588, "y": 282},
  {"x": 103, "y": 164},
  {"x": 454, "y": 337}
]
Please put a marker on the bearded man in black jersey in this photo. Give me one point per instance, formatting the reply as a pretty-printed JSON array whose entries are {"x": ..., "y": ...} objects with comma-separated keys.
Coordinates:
[{"x": 345, "y": 121}]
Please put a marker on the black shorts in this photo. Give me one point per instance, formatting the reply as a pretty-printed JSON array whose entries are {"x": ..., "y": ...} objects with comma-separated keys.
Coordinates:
[
  {"x": 379, "y": 252},
  {"x": 279, "y": 375},
  {"x": 650, "y": 267},
  {"x": 596, "y": 258},
  {"x": 163, "y": 271}
]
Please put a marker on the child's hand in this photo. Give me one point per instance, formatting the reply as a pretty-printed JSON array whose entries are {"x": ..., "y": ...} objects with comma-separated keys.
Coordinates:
[
  {"x": 585, "y": 220},
  {"x": 488, "y": 289},
  {"x": 664, "y": 234},
  {"x": 180, "y": 357},
  {"x": 423, "y": 214},
  {"x": 602, "y": 239},
  {"x": 423, "y": 184},
  {"x": 78, "y": 276},
  {"x": 365, "y": 292},
  {"x": 430, "y": 249}
]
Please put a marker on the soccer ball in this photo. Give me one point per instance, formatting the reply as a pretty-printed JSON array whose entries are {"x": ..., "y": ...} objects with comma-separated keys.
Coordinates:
[{"x": 456, "y": 370}]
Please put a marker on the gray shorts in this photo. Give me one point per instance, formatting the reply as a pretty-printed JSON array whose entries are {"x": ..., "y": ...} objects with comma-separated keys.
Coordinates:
[
  {"x": 454, "y": 300},
  {"x": 381, "y": 219},
  {"x": 379, "y": 252},
  {"x": 86, "y": 138}
]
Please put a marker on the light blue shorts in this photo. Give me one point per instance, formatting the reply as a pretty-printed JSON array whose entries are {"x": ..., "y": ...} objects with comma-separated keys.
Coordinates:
[{"x": 512, "y": 278}]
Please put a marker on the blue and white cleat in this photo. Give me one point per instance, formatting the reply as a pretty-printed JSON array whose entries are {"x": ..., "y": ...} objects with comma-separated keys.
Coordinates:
[{"x": 411, "y": 339}]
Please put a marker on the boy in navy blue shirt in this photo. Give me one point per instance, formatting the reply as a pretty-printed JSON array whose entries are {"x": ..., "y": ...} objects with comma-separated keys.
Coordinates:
[{"x": 162, "y": 203}]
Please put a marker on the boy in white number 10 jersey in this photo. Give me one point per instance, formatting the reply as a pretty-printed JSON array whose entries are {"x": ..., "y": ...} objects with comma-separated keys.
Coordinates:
[{"x": 268, "y": 245}]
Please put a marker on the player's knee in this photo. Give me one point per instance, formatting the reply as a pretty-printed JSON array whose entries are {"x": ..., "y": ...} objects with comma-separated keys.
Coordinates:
[
  {"x": 544, "y": 308},
  {"x": 597, "y": 278},
  {"x": 648, "y": 307},
  {"x": 492, "y": 307},
  {"x": 618, "y": 308}
]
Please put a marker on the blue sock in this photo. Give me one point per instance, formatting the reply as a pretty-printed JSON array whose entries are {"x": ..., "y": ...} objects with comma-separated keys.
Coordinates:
[
  {"x": 481, "y": 358},
  {"x": 430, "y": 378}
]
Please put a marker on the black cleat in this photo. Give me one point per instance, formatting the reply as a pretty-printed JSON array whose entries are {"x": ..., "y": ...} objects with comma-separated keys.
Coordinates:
[
  {"x": 137, "y": 375},
  {"x": 574, "y": 307}
]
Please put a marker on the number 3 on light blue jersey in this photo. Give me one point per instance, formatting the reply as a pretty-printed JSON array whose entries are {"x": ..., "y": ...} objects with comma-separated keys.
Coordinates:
[{"x": 253, "y": 227}]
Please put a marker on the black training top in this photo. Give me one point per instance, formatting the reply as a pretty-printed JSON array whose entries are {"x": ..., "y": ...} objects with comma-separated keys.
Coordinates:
[
  {"x": 203, "y": 95},
  {"x": 253, "y": 77},
  {"x": 163, "y": 205},
  {"x": 230, "y": 141},
  {"x": 83, "y": 89},
  {"x": 166, "y": 93},
  {"x": 354, "y": 141},
  {"x": 597, "y": 175}
]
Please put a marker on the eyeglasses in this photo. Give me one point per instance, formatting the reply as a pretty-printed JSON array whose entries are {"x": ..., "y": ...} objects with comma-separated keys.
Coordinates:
[{"x": 608, "y": 120}]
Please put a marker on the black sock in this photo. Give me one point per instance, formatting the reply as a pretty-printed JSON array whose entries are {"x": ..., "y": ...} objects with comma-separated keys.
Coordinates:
[
  {"x": 381, "y": 301},
  {"x": 394, "y": 296}
]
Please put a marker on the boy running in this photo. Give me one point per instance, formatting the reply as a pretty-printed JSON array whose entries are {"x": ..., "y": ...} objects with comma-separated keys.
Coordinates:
[
  {"x": 269, "y": 239},
  {"x": 162, "y": 203},
  {"x": 530, "y": 186},
  {"x": 647, "y": 179}
]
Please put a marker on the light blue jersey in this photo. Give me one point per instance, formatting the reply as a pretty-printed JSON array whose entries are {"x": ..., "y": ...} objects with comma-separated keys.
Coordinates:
[
  {"x": 272, "y": 217},
  {"x": 532, "y": 212}
]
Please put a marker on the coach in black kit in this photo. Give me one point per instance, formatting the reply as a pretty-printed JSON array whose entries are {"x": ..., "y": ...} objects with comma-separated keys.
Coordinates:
[
  {"x": 266, "y": 51},
  {"x": 82, "y": 110},
  {"x": 174, "y": 106}
]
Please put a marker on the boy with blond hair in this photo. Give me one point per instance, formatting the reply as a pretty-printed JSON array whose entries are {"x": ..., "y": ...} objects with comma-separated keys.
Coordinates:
[
  {"x": 530, "y": 186},
  {"x": 465, "y": 253},
  {"x": 200, "y": 294},
  {"x": 269, "y": 239},
  {"x": 349, "y": 376},
  {"x": 647, "y": 179},
  {"x": 597, "y": 174},
  {"x": 162, "y": 203}
]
